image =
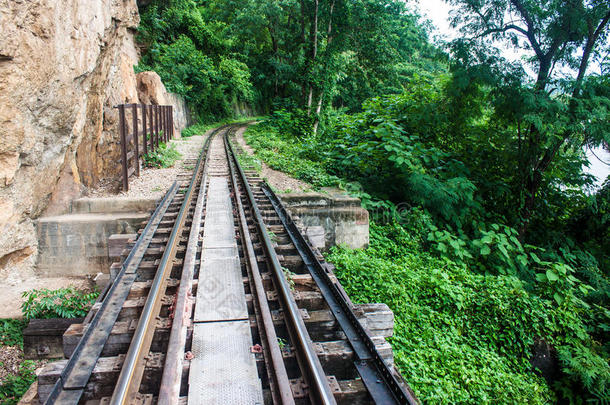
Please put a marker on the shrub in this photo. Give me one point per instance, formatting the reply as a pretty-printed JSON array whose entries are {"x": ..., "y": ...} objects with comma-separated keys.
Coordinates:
[
  {"x": 464, "y": 337},
  {"x": 164, "y": 156},
  {"x": 14, "y": 386},
  {"x": 61, "y": 303},
  {"x": 11, "y": 332},
  {"x": 197, "y": 129},
  {"x": 279, "y": 152}
]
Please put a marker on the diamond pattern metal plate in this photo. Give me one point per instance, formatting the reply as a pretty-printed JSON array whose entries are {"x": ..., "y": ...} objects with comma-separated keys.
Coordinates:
[
  {"x": 220, "y": 293},
  {"x": 223, "y": 370}
]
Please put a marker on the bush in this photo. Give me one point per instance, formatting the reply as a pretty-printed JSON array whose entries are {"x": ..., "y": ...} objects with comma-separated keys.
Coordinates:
[
  {"x": 295, "y": 123},
  {"x": 163, "y": 157},
  {"x": 463, "y": 337},
  {"x": 14, "y": 386},
  {"x": 61, "y": 303},
  {"x": 197, "y": 129},
  {"x": 11, "y": 332},
  {"x": 280, "y": 152}
]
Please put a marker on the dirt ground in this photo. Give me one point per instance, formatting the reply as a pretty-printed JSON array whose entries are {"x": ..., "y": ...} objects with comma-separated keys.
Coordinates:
[
  {"x": 153, "y": 182},
  {"x": 280, "y": 181}
]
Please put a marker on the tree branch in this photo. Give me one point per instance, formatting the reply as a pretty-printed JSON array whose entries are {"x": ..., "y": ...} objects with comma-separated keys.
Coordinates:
[{"x": 530, "y": 27}]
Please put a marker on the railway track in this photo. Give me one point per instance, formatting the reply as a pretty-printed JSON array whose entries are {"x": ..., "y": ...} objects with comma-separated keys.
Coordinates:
[{"x": 222, "y": 300}]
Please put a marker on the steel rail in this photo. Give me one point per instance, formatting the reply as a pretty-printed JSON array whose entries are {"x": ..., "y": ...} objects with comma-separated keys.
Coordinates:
[
  {"x": 276, "y": 369},
  {"x": 69, "y": 388},
  {"x": 313, "y": 374},
  {"x": 377, "y": 377},
  {"x": 130, "y": 377},
  {"x": 169, "y": 391}
]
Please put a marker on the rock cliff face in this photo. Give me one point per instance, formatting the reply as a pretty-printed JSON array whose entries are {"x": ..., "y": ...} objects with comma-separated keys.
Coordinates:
[
  {"x": 151, "y": 90},
  {"x": 63, "y": 66}
]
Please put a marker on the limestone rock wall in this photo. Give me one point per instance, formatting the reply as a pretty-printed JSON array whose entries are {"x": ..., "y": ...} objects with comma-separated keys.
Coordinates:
[
  {"x": 63, "y": 66},
  {"x": 152, "y": 91}
]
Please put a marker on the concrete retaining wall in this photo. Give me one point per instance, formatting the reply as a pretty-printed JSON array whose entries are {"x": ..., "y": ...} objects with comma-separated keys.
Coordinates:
[
  {"x": 339, "y": 218},
  {"x": 76, "y": 244}
]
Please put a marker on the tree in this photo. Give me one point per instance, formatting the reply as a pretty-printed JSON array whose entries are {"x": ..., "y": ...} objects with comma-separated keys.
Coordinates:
[{"x": 561, "y": 38}]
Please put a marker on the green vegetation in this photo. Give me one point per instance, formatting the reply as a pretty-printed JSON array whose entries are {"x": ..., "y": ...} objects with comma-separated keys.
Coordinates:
[
  {"x": 303, "y": 56},
  {"x": 163, "y": 156},
  {"x": 481, "y": 301},
  {"x": 11, "y": 332},
  {"x": 201, "y": 128},
  {"x": 462, "y": 336},
  {"x": 43, "y": 303},
  {"x": 61, "y": 303},
  {"x": 284, "y": 154},
  {"x": 14, "y": 386},
  {"x": 489, "y": 239}
]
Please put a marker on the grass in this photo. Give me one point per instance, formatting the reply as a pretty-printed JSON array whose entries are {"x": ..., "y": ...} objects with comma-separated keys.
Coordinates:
[{"x": 290, "y": 156}]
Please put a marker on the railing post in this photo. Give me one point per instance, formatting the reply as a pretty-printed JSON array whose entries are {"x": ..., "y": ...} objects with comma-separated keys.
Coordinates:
[
  {"x": 134, "y": 114},
  {"x": 171, "y": 120},
  {"x": 162, "y": 121},
  {"x": 157, "y": 125},
  {"x": 163, "y": 111},
  {"x": 145, "y": 143},
  {"x": 169, "y": 131},
  {"x": 152, "y": 129},
  {"x": 122, "y": 131}
]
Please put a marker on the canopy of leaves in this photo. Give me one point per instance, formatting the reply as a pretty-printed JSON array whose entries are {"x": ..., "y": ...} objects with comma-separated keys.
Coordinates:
[{"x": 221, "y": 53}]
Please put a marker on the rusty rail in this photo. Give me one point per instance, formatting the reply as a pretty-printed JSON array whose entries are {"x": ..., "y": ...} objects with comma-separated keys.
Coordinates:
[{"x": 153, "y": 125}]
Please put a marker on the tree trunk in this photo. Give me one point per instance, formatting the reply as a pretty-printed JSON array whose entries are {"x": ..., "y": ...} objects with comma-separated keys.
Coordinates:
[
  {"x": 314, "y": 52},
  {"x": 329, "y": 40},
  {"x": 534, "y": 180}
]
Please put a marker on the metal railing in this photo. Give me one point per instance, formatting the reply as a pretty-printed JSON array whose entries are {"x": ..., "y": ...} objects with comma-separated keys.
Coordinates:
[{"x": 150, "y": 126}]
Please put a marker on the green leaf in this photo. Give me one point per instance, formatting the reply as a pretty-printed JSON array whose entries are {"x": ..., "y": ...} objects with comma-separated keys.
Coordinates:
[
  {"x": 558, "y": 298},
  {"x": 551, "y": 275}
]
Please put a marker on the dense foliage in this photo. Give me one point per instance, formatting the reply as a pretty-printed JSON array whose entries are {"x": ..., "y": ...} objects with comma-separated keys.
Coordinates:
[
  {"x": 305, "y": 55},
  {"x": 492, "y": 241},
  {"x": 460, "y": 336},
  {"x": 462, "y": 285}
]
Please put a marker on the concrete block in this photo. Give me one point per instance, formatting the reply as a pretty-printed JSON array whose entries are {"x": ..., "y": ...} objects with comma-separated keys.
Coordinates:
[
  {"x": 88, "y": 205},
  {"x": 343, "y": 219},
  {"x": 316, "y": 236},
  {"x": 77, "y": 244}
]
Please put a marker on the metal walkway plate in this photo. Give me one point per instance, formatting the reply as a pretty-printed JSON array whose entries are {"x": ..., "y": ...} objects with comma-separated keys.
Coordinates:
[
  {"x": 220, "y": 293},
  {"x": 223, "y": 370}
]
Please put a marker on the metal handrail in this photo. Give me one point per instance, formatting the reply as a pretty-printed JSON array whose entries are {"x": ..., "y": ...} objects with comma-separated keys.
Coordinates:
[{"x": 161, "y": 121}]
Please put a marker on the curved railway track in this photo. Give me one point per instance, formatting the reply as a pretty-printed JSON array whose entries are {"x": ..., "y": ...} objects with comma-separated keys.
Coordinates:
[{"x": 222, "y": 300}]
